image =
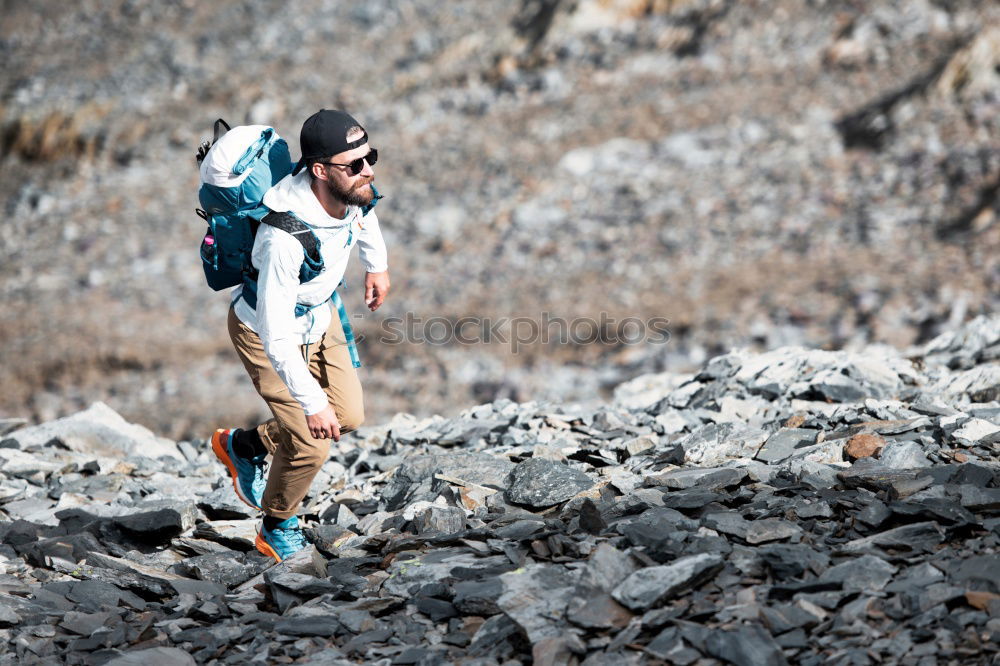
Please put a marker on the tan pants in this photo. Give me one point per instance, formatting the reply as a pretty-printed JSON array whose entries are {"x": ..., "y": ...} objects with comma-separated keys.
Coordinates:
[{"x": 296, "y": 455}]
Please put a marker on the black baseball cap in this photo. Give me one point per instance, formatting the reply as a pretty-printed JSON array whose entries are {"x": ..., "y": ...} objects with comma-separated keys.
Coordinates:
[{"x": 324, "y": 133}]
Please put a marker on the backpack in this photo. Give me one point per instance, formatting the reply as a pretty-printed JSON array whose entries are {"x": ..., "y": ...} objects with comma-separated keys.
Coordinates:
[{"x": 237, "y": 167}]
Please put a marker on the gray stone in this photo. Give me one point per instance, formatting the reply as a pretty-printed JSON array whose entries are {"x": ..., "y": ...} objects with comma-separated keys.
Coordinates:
[
  {"x": 771, "y": 529},
  {"x": 8, "y": 425},
  {"x": 98, "y": 430},
  {"x": 727, "y": 522},
  {"x": 158, "y": 656},
  {"x": 714, "y": 478},
  {"x": 837, "y": 387},
  {"x": 414, "y": 571},
  {"x": 416, "y": 476},
  {"x": 748, "y": 645},
  {"x": 598, "y": 611},
  {"x": 8, "y": 617},
  {"x": 467, "y": 431},
  {"x": 22, "y": 464},
  {"x": 786, "y": 617},
  {"x": 493, "y": 636},
  {"x": 919, "y": 537},
  {"x": 784, "y": 444},
  {"x": 536, "y": 598},
  {"x": 607, "y": 567},
  {"x": 975, "y": 431},
  {"x": 651, "y": 586},
  {"x": 126, "y": 573},
  {"x": 478, "y": 597},
  {"x": 158, "y": 520},
  {"x": 867, "y": 573},
  {"x": 591, "y": 520},
  {"x": 235, "y": 534},
  {"x": 440, "y": 520},
  {"x": 715, "y": 444},
  {"x": 223, "y": 504},
  {"x": 83, "y": 624},
  {"x": 226, "y": 568},
  {"x": 325, "y": 625},
  {"x": 542, "y": 483},
  {"x": 975, "y": 498},
  {"x": 904, "y": 455}
]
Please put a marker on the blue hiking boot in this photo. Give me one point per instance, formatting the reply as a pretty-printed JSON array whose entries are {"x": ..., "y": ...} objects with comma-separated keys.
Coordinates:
[
  {"x": 281, "y": 542},
  {"x": 249, "y": 479}
]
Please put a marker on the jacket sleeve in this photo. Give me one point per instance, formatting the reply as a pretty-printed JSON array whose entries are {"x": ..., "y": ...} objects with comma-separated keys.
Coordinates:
[
  {"x": 371, "y": 246},
  {"x": 278, "y": 257}
]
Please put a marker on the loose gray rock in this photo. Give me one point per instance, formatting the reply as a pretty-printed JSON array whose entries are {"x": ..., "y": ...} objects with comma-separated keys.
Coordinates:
[
  {"x": 784, "y": 444},
  {"x": 98, "y": 430},
  {"x": 540, "y": 483},
  {"x": 158, "y": 656},
  {"x": 749, "y": 645},
  {"x": 904, "y": 455},
  {"x": 536, "y": 598},
  {"x": 157, "y": 520},
  {"x": 863, "y": 574},
  {"x": 441, "y": 520},
  {"x": 651, "y": 586}
]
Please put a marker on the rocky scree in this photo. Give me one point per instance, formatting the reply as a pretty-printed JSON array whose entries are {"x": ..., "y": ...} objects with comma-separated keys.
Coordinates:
[{"x": 730, "y": 516}]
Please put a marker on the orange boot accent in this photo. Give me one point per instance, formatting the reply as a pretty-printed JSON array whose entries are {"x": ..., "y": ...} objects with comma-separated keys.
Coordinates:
[{"x": 265, "y": 548}]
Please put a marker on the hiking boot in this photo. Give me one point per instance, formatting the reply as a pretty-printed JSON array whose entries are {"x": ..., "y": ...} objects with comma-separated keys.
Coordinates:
[
  {"x": 281, "y": 542},
  {"x": 248, "y": 475}
]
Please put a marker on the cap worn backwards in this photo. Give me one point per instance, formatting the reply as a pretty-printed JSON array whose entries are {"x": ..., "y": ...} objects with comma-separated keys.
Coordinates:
[{"x": 324, "y": 133}]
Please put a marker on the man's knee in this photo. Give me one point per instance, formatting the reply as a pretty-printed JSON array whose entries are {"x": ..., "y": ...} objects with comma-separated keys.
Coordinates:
[{"x": 351, "y": 418}]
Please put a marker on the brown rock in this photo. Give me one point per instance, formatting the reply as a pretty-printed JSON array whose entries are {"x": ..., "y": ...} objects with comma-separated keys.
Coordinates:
[
  {"x": 864, "y": 445},
  {"x": 980, "y": 600},
  {"x": 794, "y": 421}
]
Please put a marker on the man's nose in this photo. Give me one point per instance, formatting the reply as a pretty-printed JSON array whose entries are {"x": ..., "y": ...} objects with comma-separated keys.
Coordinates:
[{"x": 367, "y": 171}]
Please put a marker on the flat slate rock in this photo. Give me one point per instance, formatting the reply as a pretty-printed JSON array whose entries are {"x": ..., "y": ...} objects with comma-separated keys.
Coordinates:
[
  {"x": 158, "y": 656},
  {"x": 916, "y": 537},
  {"x": 98, "y": 430},
  {"x": 684, "y": 478},
  {"x": 866, "y": 573},
  {"x": 158, "y": 520},
  {"x": 541, "y": 483},
  {"x": 536, "y": 599},
  {"x": 784, "y": 444},
  {"x": 223, "y": 504},
  {"x": 651, "y": 586},
  {"x": 749, "y": 645}
]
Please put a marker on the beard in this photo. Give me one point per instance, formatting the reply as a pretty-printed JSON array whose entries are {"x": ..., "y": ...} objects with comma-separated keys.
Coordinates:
[{"x": 358, "y": 195}]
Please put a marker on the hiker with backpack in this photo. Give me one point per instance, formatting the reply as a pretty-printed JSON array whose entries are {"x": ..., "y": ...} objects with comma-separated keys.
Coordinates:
[{"x": 286, "y": 247}]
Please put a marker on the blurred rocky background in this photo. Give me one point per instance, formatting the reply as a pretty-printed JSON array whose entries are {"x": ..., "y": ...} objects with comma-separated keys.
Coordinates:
[{"x": 822, "y": 174}]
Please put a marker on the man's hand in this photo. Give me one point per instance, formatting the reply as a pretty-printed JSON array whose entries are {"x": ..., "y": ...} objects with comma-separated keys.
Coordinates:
[
  {"x": 324, "y": 424},
  {"x": 376, "y": 289}
]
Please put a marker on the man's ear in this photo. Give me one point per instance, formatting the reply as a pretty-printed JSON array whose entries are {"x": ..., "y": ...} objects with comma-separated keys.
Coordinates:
[{"x": 318, "y": 170}]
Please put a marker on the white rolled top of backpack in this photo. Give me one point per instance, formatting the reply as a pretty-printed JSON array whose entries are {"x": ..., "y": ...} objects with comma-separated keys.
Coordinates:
[{"x": 217, "y": 167}]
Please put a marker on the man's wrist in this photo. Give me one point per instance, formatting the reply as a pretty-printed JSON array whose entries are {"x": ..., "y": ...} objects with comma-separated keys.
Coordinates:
[{"x": 312, "y": 408}]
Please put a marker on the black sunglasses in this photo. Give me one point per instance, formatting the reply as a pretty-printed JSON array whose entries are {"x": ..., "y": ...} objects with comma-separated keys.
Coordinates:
[{"x": 358, "y": 165}]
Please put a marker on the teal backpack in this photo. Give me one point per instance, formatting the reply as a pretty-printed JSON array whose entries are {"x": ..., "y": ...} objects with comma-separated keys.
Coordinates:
[{"x": 237, "y": 167}]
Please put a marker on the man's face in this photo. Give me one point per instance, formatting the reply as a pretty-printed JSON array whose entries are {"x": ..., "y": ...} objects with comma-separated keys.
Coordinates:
[{"x": 343, "y": 185}]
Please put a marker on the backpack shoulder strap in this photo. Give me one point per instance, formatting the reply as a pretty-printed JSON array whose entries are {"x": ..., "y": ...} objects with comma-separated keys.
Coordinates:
[{"x": 291, "y": 224}]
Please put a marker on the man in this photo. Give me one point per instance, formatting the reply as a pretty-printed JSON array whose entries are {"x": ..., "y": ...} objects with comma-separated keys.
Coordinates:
[{"x": 301, "y": 365}]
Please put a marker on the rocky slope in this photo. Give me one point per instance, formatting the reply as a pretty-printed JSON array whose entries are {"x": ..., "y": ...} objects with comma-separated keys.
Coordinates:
[
  {"x": 794, "y": 506},
  {"x": 762, "y": 174}
]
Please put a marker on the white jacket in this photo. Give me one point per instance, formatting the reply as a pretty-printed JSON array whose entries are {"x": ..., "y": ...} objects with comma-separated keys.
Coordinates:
[{"x": 278, "y": 257}]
